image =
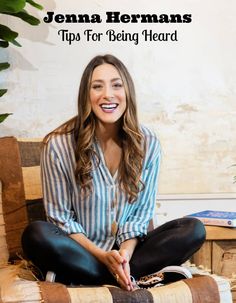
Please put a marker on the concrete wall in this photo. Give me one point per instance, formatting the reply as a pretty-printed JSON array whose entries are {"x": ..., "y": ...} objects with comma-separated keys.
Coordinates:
[{"x": 185, "y": 88}]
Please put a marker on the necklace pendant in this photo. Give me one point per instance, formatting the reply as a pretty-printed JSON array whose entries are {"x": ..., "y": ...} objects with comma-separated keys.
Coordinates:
[{"x": 114, "y": 228}]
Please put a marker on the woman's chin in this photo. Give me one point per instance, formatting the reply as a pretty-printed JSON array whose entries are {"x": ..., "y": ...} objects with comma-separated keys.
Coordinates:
[{"x": 109, "y": 119}]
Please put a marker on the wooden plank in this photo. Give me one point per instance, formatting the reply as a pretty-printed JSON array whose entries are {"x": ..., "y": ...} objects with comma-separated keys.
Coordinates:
[
  {"x": 4, "y": 254},
  {"x": 203, "y": 257},
  {"x": 220, "y": 233},
  {"x": 224, "y": 260},
  {"x": 217, "y": 262},
  {"x": 13, "y": 196},
  {"x": 234, "y": 294}
]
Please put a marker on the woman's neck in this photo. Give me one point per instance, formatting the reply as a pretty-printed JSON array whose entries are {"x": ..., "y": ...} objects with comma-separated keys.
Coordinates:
[
  {"x": 107, "y": 133},
  {"x": 108, "y": 136}
]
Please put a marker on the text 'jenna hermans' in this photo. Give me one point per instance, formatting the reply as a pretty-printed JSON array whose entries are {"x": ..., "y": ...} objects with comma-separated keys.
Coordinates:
[{"x": 117, "y": 17}]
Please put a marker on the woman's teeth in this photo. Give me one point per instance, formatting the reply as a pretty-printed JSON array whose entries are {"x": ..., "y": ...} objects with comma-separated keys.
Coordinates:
[{"x": 109, "y": 106}]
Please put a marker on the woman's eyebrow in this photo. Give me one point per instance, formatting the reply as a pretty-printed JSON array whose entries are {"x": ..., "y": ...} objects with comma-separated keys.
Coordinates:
[
  {"x": 100, "y": 80},
  {"x": 115, "y": 79}
]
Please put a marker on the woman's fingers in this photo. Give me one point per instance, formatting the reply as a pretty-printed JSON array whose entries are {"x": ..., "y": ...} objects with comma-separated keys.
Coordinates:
[
  {"x": 121, "y": 278},
  {"x": 116, "y": 255},
  {"x": 114, "y": 260},
  {"x": 119, "y": 267},
  {"x": 126, "y": 267},
  {"x": 123, "y": 275}
]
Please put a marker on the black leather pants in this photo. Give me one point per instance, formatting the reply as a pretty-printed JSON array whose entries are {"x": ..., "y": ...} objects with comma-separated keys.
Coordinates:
[{"x": 49, "y": 248}]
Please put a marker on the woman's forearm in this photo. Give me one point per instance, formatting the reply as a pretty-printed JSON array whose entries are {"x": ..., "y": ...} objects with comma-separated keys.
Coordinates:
[
  {"x": 89, "y": 245},
  {"x": 129, "y": 246}
]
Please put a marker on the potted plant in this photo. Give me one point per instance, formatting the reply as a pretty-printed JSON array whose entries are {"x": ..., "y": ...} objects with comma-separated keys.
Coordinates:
[{"x": 15, "y": 8}]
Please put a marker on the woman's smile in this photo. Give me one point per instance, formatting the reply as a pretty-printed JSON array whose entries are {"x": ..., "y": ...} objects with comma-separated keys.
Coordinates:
[{"x": 109, "y": 107}]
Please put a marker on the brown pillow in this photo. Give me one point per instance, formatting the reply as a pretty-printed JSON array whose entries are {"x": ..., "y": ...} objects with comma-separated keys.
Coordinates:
[
  {"x": 3, "y": 243},
  {"x": 30, "y": 150},
  {"x": 13, "y": 196},
  {"x": 22, "y": 194}
]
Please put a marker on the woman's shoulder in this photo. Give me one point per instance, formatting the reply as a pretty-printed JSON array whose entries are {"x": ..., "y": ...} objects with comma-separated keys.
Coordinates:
[
  {"x": 152, "y": 144},
  {"x": 62, "y": 135},
  {"x": 59, "y": 142},
  {"x": 149, "y": 134}
]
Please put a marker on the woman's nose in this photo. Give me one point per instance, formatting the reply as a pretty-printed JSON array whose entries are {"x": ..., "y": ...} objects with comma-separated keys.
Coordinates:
[{"x": 108, "y": 93}]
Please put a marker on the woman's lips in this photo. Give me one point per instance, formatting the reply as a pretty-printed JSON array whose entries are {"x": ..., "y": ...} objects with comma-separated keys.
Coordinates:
[{"x": 108, "y": 107}]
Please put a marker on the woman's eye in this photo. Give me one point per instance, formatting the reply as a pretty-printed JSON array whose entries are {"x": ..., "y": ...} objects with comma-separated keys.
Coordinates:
[
  {"x": 97, "y": 86},
  {"x": 117, "y": 85}
]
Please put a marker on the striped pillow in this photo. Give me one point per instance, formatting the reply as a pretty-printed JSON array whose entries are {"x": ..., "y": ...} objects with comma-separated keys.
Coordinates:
[
  {"x": 30, "y": 164},
  {"x": 196, "y": 290},
  {"x": 21, "y": 193},
  {"x": 13, "y": 197},
  {"x": 3, "y": 242}
]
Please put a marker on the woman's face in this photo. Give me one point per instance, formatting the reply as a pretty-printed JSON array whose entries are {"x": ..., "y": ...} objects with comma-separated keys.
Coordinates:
[{"x": 107, "y": 94}]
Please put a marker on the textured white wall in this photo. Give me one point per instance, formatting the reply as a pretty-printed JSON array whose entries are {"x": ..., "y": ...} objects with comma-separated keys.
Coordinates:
[{"x": 185, "y": 89}]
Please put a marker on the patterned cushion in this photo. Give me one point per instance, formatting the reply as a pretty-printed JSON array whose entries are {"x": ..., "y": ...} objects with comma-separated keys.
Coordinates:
[
  {"x": 13, "y": 197},
  {"x": 30, "y": 163},
  {"x": 196, "y": 290},
  {"x": 22, "y": 195},
  {"x": 3, "y": 242}
]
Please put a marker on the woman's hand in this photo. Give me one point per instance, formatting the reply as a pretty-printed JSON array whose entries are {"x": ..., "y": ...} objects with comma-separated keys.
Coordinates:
[
  {"x": 118, "y": 264},
  {"x": 116, "y": 261},
  {"x": 126, "y": 267}
]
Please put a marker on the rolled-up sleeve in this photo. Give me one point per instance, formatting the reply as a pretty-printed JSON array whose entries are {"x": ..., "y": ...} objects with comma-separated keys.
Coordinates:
[
  {"x": 56, "y": 191},
  {"x": 143, "y": 209}
]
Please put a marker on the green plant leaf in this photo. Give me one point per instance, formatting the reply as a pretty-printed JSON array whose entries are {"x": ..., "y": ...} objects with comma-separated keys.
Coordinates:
[
  {"x": 38, "y": 6},
  {"x": 16, "y": 43},
  {"x": 4, "y": 44},
  {"x": 11, "y": 6},
  {"x": 7, "y": 34},
  {"x": 2, "y": 92},
  {"x": 23, "y": 15},
  {"x": 4, "y": 116},
  {"x": 4, "y": 65}
]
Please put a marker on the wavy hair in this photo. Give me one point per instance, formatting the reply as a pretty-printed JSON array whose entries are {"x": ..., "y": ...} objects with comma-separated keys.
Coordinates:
[{"x": 83, "y": 127}]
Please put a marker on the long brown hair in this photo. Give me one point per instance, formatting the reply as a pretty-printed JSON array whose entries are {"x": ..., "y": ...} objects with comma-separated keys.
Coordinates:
[{"x": 83, "y": 127}]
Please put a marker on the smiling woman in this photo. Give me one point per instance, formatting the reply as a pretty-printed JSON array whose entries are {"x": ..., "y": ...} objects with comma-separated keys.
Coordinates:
[{"x": 99, "y": 177}]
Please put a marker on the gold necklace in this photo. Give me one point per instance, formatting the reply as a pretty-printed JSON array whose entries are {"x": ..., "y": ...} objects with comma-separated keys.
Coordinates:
[{"x": 114, "y": 225}]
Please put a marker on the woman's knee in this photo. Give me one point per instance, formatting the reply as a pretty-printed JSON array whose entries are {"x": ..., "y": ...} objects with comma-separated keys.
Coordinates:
[
  {"x": 35, "y": 230},
  {"x": 196, "y": 230},
  {"x": 32, "y": 231},
  {"x": 38, "y": 235}
]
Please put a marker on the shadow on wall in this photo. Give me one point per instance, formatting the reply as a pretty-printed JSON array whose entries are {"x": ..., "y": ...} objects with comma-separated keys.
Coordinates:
[
  {"x": 21, "y": 62},
  {"x": 35, "y": 34},
  {"x": 40, "y": 33}
]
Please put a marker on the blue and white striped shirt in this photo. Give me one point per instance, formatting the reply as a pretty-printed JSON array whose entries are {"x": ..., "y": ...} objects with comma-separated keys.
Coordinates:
[{"x": 95, "y": 214}]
